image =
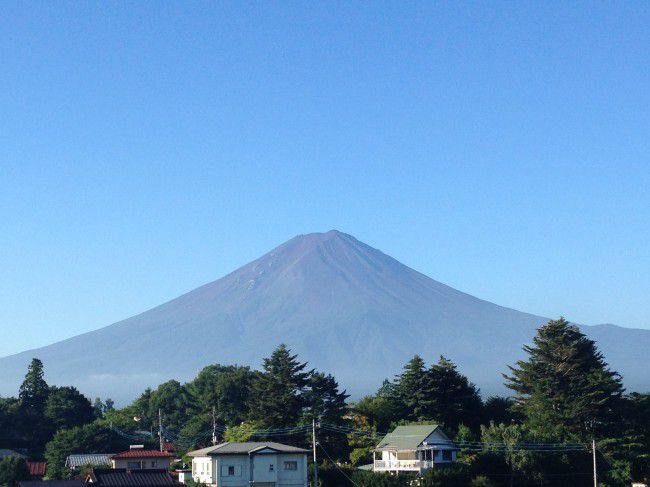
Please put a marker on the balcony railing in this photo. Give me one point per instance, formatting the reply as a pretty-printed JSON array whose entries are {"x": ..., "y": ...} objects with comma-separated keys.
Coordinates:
[{"x": 415, "y": 465}]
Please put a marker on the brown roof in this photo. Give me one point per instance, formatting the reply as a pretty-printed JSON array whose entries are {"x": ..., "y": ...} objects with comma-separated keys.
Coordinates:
[
  {"x": 141, "y": 454},
  {"x": 36, "y": 469}
]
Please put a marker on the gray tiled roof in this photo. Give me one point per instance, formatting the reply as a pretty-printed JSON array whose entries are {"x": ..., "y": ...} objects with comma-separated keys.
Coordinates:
[
  {"x": 245, "y": 448},
  {"x": 121, "y": 477},
  {"x": 80, "y": 459},
  {"x": 4, "y": 452}
]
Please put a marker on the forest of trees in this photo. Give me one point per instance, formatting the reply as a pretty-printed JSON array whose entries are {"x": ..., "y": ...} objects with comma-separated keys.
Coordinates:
[{"x": 562, "y": 392}]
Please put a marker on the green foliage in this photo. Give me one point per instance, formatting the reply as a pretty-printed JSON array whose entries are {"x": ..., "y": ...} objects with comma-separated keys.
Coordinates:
[
  {"x": 457, "y": 475},
  {"x": 33, "y": 394},
  {"x": 413, "y": 390},
  {"x": 226, "y": 389},
  {"x": 453, "y": 399},
  {"x": 170, "y": 397},
  {"x": 66, "y": 407},
  {"x": 243, "y": 432},
  {"x": 500, "y": 410},
  {"x": 565, "y": 389},
  {"x": 278, "y": 394},
  {"x": 12, "y": 470},
  {"x": 90, "y": 438}
]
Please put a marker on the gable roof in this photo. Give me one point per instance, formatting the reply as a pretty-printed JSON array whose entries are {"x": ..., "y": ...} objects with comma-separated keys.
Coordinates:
[
  {"x": 407, "y": 437},
  {"x": 80, "y": 459},
  {"x": 245, "y": 448},
  {"x": 121, "y": 477},
  {"x": 141, "y": 454}
]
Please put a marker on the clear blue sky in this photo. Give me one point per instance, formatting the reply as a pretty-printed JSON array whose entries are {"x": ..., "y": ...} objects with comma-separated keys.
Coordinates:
[{"x": 149, "y": 147}]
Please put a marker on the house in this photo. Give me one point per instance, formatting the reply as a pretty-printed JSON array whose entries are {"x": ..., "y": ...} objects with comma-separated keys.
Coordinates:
[
  {"x": 414, "y": 448},
  {"x": 255, "y": 464},
  {"x": 79, "y": 460},
  {"x": 36, "y": 469},
  {"x": 138, "y": 459},
  {"x": 121, "y": 477}
]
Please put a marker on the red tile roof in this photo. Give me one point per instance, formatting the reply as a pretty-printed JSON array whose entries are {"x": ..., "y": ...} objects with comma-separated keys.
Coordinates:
[
  {"x": 142, "y": 454},
  {"x": 36, "y": 469}
]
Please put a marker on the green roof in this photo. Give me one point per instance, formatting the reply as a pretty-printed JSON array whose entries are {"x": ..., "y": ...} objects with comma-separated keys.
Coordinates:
[{"x": 407, "y": 437}]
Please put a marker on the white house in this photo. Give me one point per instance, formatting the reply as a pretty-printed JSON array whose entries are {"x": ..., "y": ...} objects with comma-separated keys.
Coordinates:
[
  {"x": 258, "y": 464},
  {"x": 414, "y": 448}
]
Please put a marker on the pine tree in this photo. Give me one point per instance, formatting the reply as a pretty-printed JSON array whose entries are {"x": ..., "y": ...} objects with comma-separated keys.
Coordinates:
[
  {"x": 34, "y": 390},
  {"x": 33, "y": 394},
  {"x": 412, "y": 389},
  {"x": 565, "y": 389},
  {"x": 278, "y": 393},
  {"x": 451, "y": 399}
]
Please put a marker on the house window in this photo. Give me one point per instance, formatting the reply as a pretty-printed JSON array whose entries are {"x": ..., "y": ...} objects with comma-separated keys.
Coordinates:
[
  {"x": 271, "y": 468},
  {"x": 231, "y": 470},
  {"x": 153, "y": 464},
  {"x": 291, "y": 465},
  {"x": 133, "y": 465},
  {"x": 446, "y": 455}
]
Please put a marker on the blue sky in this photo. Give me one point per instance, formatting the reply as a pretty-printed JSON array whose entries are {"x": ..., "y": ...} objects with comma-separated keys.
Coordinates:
[{"x": 149, "y": 147}]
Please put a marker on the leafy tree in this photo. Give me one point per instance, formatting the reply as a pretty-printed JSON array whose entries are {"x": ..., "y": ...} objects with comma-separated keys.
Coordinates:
[
  {"x": 12, "y": 470},
  {"x": 66, "y": 407},
  {"x": 90, "y": 438},
  {"x": 279, "y": 392},
  {"x": 381, "y": 409},
  {"x": 451, "y": 398},
  {"x": 226, "y": 388},
  {"x": 243, "y": 432},
  {"x": 565, "y": 389}
]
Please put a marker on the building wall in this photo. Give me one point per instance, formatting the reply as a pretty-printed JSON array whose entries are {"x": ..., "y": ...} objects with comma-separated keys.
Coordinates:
[
  {"x": 203, "y": 470},
  {"x": 235, "y": 470}
]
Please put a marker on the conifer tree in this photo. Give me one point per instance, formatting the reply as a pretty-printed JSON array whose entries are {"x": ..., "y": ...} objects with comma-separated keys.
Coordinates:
[
  {"x": 278, "y": 393},
  {"x": 451, "y": 399},
  {"x": 412, "y": 389},
  {"x": 33, "y": 394},
  {"x": 565, "y": 389}
]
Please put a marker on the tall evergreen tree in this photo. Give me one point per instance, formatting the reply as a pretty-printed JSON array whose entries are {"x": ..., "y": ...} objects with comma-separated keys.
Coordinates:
[
  {"x": 451, "y": 399},
  {"x": 565, "y": 388},
  {"x": 412, "y": 389},
  {"x": 278, "y": 393},
  {"x": 34, "y": 390},
  {"x": 33, "y": 394}
]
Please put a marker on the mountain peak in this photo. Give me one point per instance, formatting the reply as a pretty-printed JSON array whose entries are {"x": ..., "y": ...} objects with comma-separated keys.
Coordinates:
[{"x": 344, "y": 306}]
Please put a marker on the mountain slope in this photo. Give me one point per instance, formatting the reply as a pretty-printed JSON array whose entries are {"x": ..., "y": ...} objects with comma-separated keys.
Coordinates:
[{"x": 347, "y": 308}]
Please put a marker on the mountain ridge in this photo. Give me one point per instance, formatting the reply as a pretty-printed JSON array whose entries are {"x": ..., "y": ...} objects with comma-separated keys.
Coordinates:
[{"x": 346, "y": 307}]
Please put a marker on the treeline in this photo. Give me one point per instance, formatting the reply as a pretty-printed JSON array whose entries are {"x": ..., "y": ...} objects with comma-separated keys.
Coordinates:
[{"x": 563, "y": 392}]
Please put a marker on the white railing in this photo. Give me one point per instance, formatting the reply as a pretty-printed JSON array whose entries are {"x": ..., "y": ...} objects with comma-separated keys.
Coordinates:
[{"x": 403, "y": 464}]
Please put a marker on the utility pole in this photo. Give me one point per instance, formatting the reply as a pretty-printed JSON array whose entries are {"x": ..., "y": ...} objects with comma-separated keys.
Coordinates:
[
  {"x": 160, "y": 434},
  {"x": 593, "y": 450},
  {"x": 313, "y": 440},
  {"x": 214, "y": 427}
]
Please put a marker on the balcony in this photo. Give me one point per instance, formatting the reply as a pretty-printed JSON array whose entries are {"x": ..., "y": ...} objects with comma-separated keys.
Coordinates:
[{"x": 404, "y": 465}]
